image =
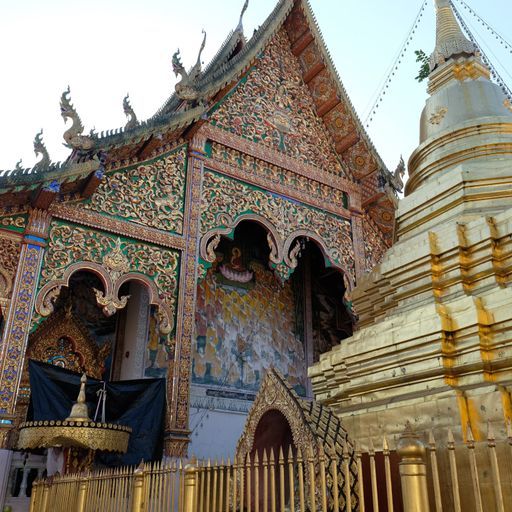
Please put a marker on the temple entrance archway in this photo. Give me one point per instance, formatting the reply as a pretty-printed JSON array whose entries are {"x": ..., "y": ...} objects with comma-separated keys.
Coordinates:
[
  {"x": 326, "y": 316},
  {"x": 302, "y": 425}
]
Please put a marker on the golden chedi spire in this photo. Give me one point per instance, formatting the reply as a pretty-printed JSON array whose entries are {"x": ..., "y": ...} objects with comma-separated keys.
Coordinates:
[
  {"x": 450, "y": 41},
  {"x": 465, "y": 137}
]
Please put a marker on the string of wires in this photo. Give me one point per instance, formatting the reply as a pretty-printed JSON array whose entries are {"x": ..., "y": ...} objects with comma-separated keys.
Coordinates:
[
  {"x": 496, "y": 34},
  {"x": 391, "y": 72},
  {"x": 494, "y": 72}
]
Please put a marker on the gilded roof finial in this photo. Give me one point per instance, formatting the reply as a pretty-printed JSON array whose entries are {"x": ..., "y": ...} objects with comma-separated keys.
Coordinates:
[
  {"x": 240, "y": 26},
  {"x": 450, "y": 40},
  {"x": 129, "y": 113},
  {"x": 79, "y": 410},
  {"x": 40, "y": 149}
]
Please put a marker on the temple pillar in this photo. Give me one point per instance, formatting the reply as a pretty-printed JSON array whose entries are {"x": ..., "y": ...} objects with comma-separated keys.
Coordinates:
[
  {"x": 178, "y": 375},
  {"x": 358, "y": 242},
  {"x": 17, "y": 326},
  {"x": 308, "y": 320}
]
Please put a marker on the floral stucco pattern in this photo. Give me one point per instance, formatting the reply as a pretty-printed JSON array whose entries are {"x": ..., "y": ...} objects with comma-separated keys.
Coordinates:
[
  {"x": 70, "y": 244},
  {"x": 150, "y": 194},
  {"x": 225, "y": 199},
  {"x": 275, "y": 108}
]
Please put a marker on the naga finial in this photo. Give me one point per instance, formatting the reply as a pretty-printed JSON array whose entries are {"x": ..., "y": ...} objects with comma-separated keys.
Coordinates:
[
  {"x": 129, "y": 113},
  {"x": 396, "y": 180},
  {"x": 185, "y": 88},
  {"x": 18, "y": 166},
  {"x": 240, "y": 26},
  {"x": 40, "y": 149},
  {"x": 73, "y": 135}
]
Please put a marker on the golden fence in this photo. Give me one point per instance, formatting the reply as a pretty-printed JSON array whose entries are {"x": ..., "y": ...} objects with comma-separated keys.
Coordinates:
[{"x": 416, "y": 476}]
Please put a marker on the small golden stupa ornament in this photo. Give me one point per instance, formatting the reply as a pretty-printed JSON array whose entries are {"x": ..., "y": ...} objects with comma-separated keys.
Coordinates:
[
  {"x": 79, "y": 410},
  {"x": 76, "y": 432}
]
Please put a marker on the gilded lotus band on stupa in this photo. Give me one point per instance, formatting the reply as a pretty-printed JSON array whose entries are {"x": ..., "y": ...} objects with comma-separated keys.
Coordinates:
[{"x": 240, "y": 275}]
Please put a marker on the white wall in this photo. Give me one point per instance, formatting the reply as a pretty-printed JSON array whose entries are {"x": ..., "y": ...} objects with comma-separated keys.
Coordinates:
[
  {"x": 136, "y": 333},
  {"x": 5, "y": 467},
  {"x": 215, "y": 433}
]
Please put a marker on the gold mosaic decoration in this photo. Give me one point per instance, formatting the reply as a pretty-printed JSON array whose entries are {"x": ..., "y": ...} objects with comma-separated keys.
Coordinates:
[
  {"x": 224, "y": 200},
  {"x": 150, "y": 194},
  {"x": 64, "y": 341}
]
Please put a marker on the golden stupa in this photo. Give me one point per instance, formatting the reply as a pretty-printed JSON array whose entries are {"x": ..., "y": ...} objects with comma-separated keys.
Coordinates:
[{"x": 434, "y": 344}]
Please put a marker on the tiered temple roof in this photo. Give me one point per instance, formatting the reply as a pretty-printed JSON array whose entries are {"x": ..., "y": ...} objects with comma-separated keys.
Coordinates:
[{"x": 179, "y": 117}]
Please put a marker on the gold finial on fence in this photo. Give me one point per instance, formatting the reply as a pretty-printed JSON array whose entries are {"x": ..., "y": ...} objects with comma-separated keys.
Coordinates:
[
  {"x": 138, "y": 488},
  {"x": 300, "y": 474},
  {"x": 190, "y": 487},
  {"x": 435, "y": 471},
  {"x": 373, "y": 473},
  {"x": 413, "y": 471},
  {"x": 491, "y": 443},
  {"x": 470, "y": 443}
]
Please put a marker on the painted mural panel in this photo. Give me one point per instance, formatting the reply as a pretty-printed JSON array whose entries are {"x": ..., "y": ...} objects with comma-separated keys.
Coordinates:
[
  {"x": 274, "y": 107},
  {"x": 245, "y": 323},
  {"x": 151, "y": 194}
]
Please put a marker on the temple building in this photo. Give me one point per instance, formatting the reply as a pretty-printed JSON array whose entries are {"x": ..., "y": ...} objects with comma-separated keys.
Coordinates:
[
  {"x": 249, "y": 235},
  {"x": 219, "y": 238}
]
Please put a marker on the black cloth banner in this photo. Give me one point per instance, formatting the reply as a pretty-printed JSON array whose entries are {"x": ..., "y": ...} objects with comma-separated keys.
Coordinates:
[{"x": 139, "y": 404}]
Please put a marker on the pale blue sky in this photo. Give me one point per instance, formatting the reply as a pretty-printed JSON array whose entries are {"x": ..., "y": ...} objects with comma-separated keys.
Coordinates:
[{"x": 105, "y": 48}]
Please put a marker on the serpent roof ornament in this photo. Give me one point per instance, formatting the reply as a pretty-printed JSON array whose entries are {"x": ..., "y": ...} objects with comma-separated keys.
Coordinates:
[
  {"x": 73, "y": 136},
  {"x": 40, "y": 149},
  {"x": 129, "y": 113},
  {"x": 186, "y": 88}
]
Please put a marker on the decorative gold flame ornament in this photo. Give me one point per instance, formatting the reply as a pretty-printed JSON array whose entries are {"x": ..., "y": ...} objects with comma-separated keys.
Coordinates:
[{"x": 76, "y": 431}]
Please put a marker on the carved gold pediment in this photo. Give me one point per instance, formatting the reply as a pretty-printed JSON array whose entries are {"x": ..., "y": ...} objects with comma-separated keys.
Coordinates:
[
  {"x": 63, "y": 340},
  {"x": 312, "y": 425}
]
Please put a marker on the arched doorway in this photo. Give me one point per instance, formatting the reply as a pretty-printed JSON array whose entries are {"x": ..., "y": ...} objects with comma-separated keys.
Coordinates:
[
  {"x": 272, "y": 433},
  {"x": 272, "y": 439},
  {"x": 325, "y": 317}
]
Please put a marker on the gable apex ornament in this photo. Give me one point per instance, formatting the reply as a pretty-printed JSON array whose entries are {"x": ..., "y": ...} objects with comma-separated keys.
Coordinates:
[{"x": 240, "y": 26}]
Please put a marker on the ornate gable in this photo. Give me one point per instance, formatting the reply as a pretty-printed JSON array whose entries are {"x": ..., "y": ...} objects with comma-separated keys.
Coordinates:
[
  {"x": 272, "y": 106},
  {"x": 311, "y": 424}
]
